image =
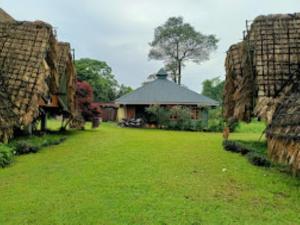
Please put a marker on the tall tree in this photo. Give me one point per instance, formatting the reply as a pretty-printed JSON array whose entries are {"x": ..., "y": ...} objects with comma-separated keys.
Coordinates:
[
  {"x": 176, "y": 42},
  {"x": 213, "y": 88},
  {"x": 123, "y": 90},
  {"x": 99, "y": 75}
]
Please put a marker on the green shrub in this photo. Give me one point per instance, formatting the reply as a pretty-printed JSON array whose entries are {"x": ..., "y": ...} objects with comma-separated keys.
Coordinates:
[
  {"x": 234, "y": 146},
  {"x": 215, "y": 125},
  {"x": 258, "y": 160},
  {"x": 159, "y": 115},
  {"x": 23, "y": 147},
  {"x": 34, "y": 145},
  {"x": 215, "y": 121},
  {"x": 197, "y": 125},
  {"x": 6, "y": 155},
  {"x": 232, "y": 124},
  {"x": 183, "y": 117},
  {"x": 254, "y": 155}
]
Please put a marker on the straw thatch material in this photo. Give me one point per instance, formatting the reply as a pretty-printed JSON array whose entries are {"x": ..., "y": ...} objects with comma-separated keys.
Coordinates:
[
  {"x": 67, "y": 76},
  {"x": 284, "y": 132},
  {"x": 8, "y": 119},
  {"x": 27, "y": 66},
  {"x": 5, "y": 17},
  {"x": 274, "y": 47},
  {"x": 239, "y": 84},
  {"x": 28, "y": 72}
]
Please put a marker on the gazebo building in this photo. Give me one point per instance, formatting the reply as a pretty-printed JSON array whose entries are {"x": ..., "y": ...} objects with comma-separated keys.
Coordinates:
[{"x": 165, "y": 93}]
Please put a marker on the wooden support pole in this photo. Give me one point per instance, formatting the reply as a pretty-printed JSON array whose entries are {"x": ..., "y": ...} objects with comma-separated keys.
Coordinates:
[{"x": 44, "y": 121}]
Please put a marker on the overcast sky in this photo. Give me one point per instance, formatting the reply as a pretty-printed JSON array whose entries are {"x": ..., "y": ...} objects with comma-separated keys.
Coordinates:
[{"x": 118, "y": 32}]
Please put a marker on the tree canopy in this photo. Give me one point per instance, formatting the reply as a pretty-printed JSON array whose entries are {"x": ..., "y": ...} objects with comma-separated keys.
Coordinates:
[
  {"x": 176, "y": 42},
  {"x": 99, "y": 75},
  {"x": 213, "y": 88}
]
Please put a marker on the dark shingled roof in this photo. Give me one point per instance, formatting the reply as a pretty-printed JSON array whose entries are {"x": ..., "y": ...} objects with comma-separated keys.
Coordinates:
[{"x": 163, "y": 91}]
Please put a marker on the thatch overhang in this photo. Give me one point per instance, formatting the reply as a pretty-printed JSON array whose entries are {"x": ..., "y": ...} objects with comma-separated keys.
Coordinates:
[{"x": 67, "y": 78}]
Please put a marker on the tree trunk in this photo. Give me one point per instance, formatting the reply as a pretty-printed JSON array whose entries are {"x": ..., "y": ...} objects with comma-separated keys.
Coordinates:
[
  {"x": 179, "y": 72},
  {"x": 174, "y": 78}
]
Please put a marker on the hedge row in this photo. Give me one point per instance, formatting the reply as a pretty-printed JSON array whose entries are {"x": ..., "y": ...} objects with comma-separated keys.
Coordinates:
[
  {"x": 253, "y": 156},
  {"x": 7, "y": 152}
]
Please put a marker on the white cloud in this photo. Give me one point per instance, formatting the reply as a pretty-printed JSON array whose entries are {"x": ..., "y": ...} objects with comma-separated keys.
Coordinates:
[{"x": 119, "y": 31}]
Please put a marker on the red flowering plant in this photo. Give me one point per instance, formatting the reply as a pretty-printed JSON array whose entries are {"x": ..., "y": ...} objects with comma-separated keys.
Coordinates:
[{"x": 89, "y": 110}]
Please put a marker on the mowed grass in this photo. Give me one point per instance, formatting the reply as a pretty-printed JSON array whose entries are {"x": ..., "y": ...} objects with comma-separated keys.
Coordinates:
[{"x": 116, "y": 175}]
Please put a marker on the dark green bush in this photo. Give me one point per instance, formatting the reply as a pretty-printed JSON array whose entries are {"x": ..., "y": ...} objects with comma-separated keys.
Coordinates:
[
  {"x": 26, "y": 147},
  {"x": 23, "y": 147},
  {"x": 159, "y": 115},
  {"x": 215, "y": 121},
  {"x": 236, "y": 147},
  {"x": 233, "y": 124},
  {"x": 182, "y": 117},
  {"x": 197, "y": 125},
  {"x": 253, "y": 155},
  {"x": 258, "y": 160},
  {"x": 6, "y": 155}
]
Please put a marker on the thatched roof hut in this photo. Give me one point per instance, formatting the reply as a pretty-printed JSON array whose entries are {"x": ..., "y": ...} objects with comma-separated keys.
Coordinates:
[
  {"x": 269, "y": 57},
  {"x": 262, "y": 79},
  {"x": 27, "y": 66},
  {"x": 36, "y": 72}
]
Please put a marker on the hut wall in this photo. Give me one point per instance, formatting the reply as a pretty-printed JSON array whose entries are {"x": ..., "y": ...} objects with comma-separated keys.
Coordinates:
[
  {"x": 130, "y": 112},
  {"x": 121, "y": 114}
]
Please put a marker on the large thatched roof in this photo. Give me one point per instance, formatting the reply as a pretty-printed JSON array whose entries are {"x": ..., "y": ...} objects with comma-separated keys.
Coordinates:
[
  {"x": 34, "y": 70},
  {"x": 270, "y": 56},
  {"x": 27, "y": 65},
  {"x": 262, "y": 79}
]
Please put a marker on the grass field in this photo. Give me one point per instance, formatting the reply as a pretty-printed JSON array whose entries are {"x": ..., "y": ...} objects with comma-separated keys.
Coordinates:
[{"x": 114, "y": 175}]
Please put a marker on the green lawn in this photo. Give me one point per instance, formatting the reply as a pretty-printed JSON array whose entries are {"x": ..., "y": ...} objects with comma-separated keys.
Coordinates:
[{"x": 132, "y": 176}]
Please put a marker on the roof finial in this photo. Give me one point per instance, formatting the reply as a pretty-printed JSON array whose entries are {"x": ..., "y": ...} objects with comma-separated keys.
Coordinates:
[{"x": 162, "y": 74}]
